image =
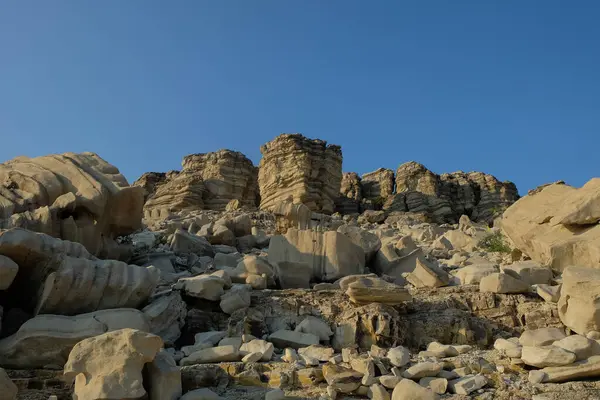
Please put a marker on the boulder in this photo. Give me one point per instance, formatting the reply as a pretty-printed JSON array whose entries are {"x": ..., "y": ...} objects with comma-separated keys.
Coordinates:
[
  {"x": 258, "y": 346},
  {"x": 61, "y": 277},
  {"x": 8, "y": 272},
  {"x": 75, "y": 197},
  {"x": 163, "y": 378},
  {"x": 378, "y": 392},
  {"x": 257, "y": 282},
  {"x": 222, "y": 235},
  {"x": 8, "y": 390},
  {"x": 472, "y": 274},
  {"x": 166, "y": 317},
  {"x": 502, "y": 283},
  {"x": 437, "y": 385},
  {"x": 237, "y": 298},
  {"x": 549, "y": 293},
  {"x": 208, "y": 287},
  {"x": 368, "y": 289},
  {"x": 343, "y": 379},
  {"x": 508, "y": 347},
  {"x": 547, "y": 356},
  {"x": 372, "y": 217},
  {"x": 578, "y": 306},
  {"x": 252, "y": 358},
  {"x": 368, "y": 241},
  {"x": 460, "y": 240},
  {"x": 48, "y": 339},
  {"x": 426, "y": 274},
  {"x": 541, "y": 336},
  {"x": 240, "y": 225},
  {"x": 579, "y": 345},
  {"x": 409, "y": 390},
  {"x": 284, "y": 338},
  {"x": 331, "y": 254},
  {"x": 253, "y": 265},
  {"x": 529, "y": 272},
  {"x": 227, "y": 260},
  {"x": 212, "y": 355},
  {"x": 201, "y": 394},
  {"x": 538, "y": 226},
  {"x": 310, "y": 171},
  {"x": 399, "y": 356},
  {"x": 586, "y": 369},
  {"x": 315, "y": 326},
  {"x": 422, "y": 370},
  {"x": 390, "y": 381},
  {"x": 185, "y": 242},
  {"x": 109, "y": 366},
  {"x": 468, "y": 384},
  {"x": 293, "y": 275},
  {"x": 320, "y": 353},
  {"x": 275, "y": 394}
]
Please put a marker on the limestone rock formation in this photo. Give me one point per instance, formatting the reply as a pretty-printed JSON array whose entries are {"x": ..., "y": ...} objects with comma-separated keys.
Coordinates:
[
  {"x": 535, "y": 224},
  {"x": 109, "y": 366},
  {"x": 150, "y": 182},
  {"x": 48, "y": 339},
  {"x": 331, "y": 254},
  {"x": 76, "y": 197},
  {"x": 378, "y": 185},
  {"x": 309, "y": 170},
  {"x": 207, "y": 181},
  {"x": 448, "y": 196},
  {"x": 62, "y": 277},
  {"x": 578, "y": 306},
  {"x": 350, "y": 196},
  {"x": 228, "y": 175}
]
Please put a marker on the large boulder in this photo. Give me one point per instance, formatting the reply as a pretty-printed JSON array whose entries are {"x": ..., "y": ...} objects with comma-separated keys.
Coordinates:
[
  {"x": 61, "y": 277},
  {"x": 553, "y": 227},
  {"x": 368, "y": 241},
  {"x": 370, "y": 289},
  {"x": 166, "y": 317},
  {"x": 76, "y": 197},
  {"x": 109, "y": 366},
  {"x": 48, "y": 339},
  {"x": 579, "y": 303},
  {"x": 308, "y": 170},
  {"x": 331, "y": 254},
  {"x": 163, "y": 378}
]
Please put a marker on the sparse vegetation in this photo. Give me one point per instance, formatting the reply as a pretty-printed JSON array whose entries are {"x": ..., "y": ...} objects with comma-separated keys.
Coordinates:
[{"x": 495, "y": 242}]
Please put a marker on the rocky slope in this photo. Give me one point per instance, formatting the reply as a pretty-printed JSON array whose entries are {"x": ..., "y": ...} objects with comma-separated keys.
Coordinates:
[{"x": 243, "y": 303}]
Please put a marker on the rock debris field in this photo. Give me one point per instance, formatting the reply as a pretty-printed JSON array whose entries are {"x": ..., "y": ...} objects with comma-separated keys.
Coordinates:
[{"x": 292, "y": 279}]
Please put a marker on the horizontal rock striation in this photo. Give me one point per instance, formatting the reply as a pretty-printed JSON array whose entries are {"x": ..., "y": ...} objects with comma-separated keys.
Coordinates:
[
  {"x": 448, "y": 196},
  {"x": 76, "y": 197},
  {"x": 378, "y": 184},
  {"x": 228, "y": 175},
  {"x": 207, "y": 181},
  {"x": 350, "y": 196},
  {"x": 307, "y": 170},
  {"x": 62, "y": 277}
]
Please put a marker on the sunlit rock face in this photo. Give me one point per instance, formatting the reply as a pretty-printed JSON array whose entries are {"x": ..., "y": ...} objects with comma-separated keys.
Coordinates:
[
  {"x": 307, "y": 170},
  {"x": 76, "y": 197}
]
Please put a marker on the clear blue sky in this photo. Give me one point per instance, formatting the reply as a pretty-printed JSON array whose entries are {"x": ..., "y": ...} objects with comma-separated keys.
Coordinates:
[{"x": 510, "y": 87}]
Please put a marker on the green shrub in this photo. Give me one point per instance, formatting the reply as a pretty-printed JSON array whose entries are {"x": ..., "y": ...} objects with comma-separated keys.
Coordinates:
[{"x": 495, "y": 243}]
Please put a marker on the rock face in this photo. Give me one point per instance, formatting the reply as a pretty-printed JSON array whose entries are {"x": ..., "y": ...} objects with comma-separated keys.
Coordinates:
[
  {"x": 206, "y": 181},
  {"x": 552, "y": 226},
  {"x": 350, "y": 194},
  {"x": 378, "y": 184},
  {"x": 578, "y": 306},
  {"x": 310, "y": 171},
  {"x": 448, "y": 196},
  {"x": 228, "y": 175},
  {"x": 61, "y": 277},
  {"x": 150, "y": 182},
  {"x": 76, "y": 197},
  {"x": 331, "y": 254},
  {"x": 109, "y": 366}
]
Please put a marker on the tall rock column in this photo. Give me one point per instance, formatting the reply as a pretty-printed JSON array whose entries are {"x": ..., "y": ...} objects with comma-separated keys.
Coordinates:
[{"x": 307, "y": 170}]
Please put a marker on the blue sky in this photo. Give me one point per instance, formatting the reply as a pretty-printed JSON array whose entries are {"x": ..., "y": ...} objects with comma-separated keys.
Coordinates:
[{"x": 506, "y": 87}]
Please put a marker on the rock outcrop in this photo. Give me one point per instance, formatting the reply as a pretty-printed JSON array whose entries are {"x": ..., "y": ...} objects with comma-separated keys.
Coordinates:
[
  {"x": 61, "y": 277},
  {"x": 378, "y": 185},
  {"x": 448, "y": 196},
  {"x": 555, "y": 226},
  {"x": 308, "y": 170},
  {"x": 76, "y": 197},
  {"x": 207, "y": 181},
  {"x": 228, "y": 175},
  {"x": 350, "y": 196},
  {"x": 150, "y": 182}
]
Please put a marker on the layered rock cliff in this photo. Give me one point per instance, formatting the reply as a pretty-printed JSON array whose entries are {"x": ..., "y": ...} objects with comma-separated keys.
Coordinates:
[
  {"x": 448, "y": 196},
  {"x": 350, "y": 194},
  {"x": 307, "y": 170},
  {"x": 207, "y": 181}
]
